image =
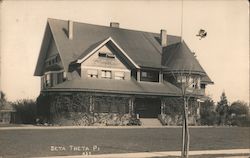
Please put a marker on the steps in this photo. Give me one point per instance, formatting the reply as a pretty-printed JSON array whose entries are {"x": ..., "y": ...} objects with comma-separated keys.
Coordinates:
[{"x": 152, "y": 122}]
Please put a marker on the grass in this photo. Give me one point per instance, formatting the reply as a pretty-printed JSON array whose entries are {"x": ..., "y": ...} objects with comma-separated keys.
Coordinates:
[{"x": 38, "y": 142}]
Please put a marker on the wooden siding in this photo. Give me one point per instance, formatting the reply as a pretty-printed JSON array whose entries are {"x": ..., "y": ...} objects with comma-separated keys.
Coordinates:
[{"x": 99, "y": 63}]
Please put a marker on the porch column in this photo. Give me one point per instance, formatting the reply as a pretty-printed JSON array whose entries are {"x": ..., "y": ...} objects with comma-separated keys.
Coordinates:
[
  {"x": 91, "y": 104},
  {"x": 131, "y": 105},
  {"x": 138, "y": 76},
  {"x": 161, "y": 77},
  {"x": 163, "y": 106}
]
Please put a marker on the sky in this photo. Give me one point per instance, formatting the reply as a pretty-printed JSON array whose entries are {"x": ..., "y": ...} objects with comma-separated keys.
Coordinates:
[{"x": 224, "y": 53}]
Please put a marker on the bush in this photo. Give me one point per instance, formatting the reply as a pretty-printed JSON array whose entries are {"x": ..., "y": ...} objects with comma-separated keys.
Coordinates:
[
  {"x": 134, "y": 122},
  {"x": 26, "y": 111},
  {"x": 208, "y": 116},
  {"x": 241, "y": 121},
  {"x": 239, "y": 108}
]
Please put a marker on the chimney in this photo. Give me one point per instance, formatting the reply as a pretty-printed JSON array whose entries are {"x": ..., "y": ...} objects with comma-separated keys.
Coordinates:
[
  {"x": 163, "y": 38},
  {"x": 70, "y": 29},
  {"x": 114, "y": 24}
]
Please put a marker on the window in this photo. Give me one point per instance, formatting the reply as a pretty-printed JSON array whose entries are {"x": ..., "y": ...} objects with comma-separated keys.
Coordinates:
[
  {"x": 203, "y": 86},
  {"x": 106, "y": 74},
  {"x": 119, "y": 75},
  {"x": 181, "y": 79},
  {"x": 47, "y": 81},
  {"x": 102, "y": 54},
  {"x": 60, "y": 78},
  {"x": 92, "y": 73},
  {"x": 106, "y": 55},
  {"x": 150, "y": 76}
]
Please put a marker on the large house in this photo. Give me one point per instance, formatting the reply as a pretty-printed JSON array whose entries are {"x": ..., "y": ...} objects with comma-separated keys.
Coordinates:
[{"x": 119, "y": 70}]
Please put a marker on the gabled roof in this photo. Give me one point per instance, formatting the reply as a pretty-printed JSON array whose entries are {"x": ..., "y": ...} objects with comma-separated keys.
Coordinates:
[
  {"x": 98, "y": 45},
  {"x": 142, "y": 47},
  {"x": 178, "y": 57}
]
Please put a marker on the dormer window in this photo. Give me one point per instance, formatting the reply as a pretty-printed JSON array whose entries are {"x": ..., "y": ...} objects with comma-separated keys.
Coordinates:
[
  {"x": 150, "y": 76},
  {"x": 52, "y": 60},
  {"x": 106, "y": 55}
]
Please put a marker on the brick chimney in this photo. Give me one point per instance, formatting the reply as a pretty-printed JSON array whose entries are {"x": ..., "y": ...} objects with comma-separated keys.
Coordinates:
[
  {"x": 163, "y": 38},
  {"x": 70, "y": 29},
  {"x": 114, "y": 24}
]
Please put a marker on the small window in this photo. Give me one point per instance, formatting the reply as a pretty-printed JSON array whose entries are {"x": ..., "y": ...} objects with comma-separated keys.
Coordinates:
[
  {"x": 92, "y": 73},
  {"x": 106, "y": 74},
  {"x": 59, "y": 77},
  {"x": 106, "y": 55},
  {"x": 102, "y": 54},
  {"x": 109, "y": 55},
  {"x": 47, "y": 81},
  {"x": 181, "y": 79},
  {"x": 119, "y": 75}
]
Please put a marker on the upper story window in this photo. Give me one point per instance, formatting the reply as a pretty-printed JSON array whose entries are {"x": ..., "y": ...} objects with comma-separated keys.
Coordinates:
[
  {"x": 190, "y": 81},
  {"x": 106, "y": 74},
  {"x": 106, "y": 55},
  {"x": 52, "y": 60},
  {"x": 119, "y": 75},
  {"x": 53, "y": 78},
  {"x": 47, "y": 80},
  {"x": 150, "y": 76},
  {"x": 92, "y": 73}
]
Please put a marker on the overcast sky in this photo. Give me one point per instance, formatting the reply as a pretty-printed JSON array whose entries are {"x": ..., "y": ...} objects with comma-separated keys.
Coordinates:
[{"x": 224, "y": 53}]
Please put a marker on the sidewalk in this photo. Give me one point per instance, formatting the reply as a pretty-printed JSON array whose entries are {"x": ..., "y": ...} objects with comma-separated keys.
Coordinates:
[
  {"x": 227, "y": 153},
  {"x": 98, "y": 127}
]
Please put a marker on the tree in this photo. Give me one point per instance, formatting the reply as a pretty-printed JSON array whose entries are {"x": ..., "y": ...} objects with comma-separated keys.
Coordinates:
[
  {"x": 2, "y": 98},
  {"x": 189, "y": 84},
  {"x": 222, "y": 109},
  {"x": 239, "y": 108},
  {"x": 207, "y": 112},
  {"x": 26, "y": 110},
  {"x": 239, "y": 114}
]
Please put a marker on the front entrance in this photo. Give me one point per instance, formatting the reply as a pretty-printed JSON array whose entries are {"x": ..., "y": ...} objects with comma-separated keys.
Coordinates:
[{"x": 148, "y": 107}]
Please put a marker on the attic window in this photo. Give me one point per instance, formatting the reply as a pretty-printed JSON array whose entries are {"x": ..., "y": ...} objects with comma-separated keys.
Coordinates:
[{"x": 106, "y": 55}]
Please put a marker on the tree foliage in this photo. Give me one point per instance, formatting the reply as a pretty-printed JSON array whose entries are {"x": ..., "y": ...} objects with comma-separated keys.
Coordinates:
[
  {"x": 2, "y": 98},
  {"x": 26, "y": 111},
  {"x": 207, "y": 113},
  {"x": 239, "y": 108},
  {"x": 222, "y": 109}
]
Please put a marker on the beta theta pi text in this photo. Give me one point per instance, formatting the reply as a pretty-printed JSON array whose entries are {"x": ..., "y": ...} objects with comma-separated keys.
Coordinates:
[{"x": 75, "y": 148}]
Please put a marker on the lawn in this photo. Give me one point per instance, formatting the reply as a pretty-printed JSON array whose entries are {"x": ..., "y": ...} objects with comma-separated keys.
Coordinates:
[{"x": 49, "y": 142}]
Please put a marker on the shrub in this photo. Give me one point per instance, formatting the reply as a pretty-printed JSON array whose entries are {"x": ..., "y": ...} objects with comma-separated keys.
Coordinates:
[
  {"x": 134, "y": 122},
  {"x": 26, "y": 111},
  {"x": 208, "y": 116}
]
